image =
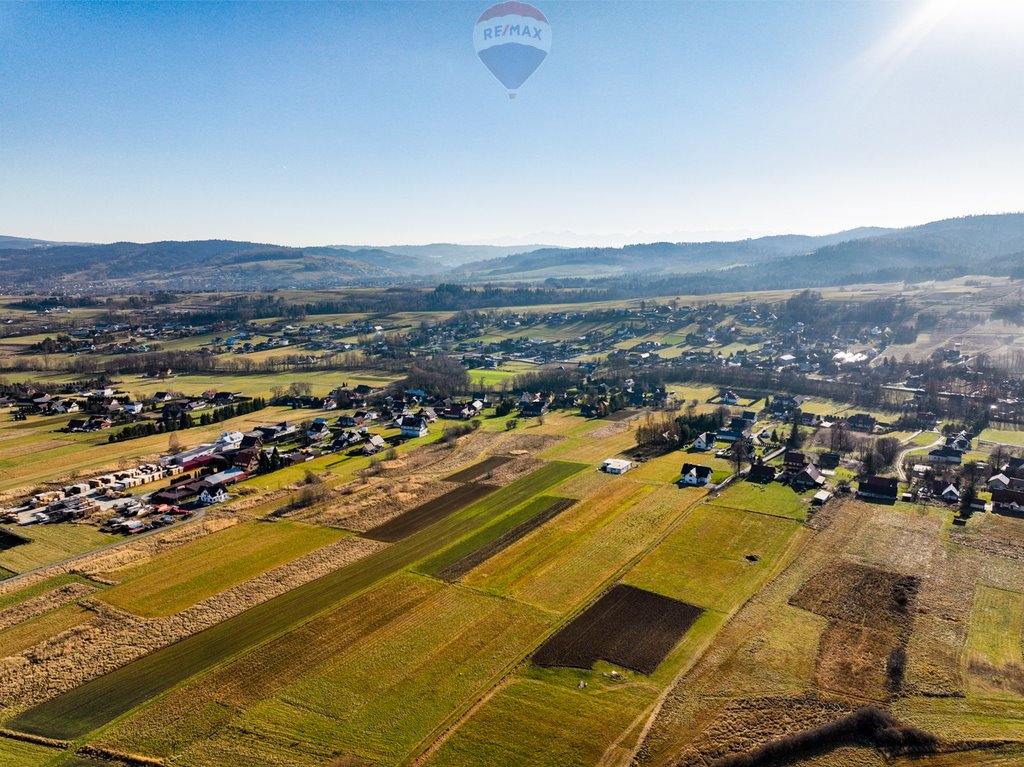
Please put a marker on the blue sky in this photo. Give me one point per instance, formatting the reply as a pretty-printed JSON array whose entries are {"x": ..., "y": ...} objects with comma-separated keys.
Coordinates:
[{"x": 308, "y": 123}]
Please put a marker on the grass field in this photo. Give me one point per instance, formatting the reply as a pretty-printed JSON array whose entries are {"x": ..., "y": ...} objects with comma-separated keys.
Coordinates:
[
  {"x": 21, "y": 636},
  {"x": 15, "y": 753},
  {"x": 88, "y": 706},
  {"x": 484, "y": 536},
  {"x": 773, "y": 498},
  {"x": 177, "y": 579},
  {"x": 994, "y": 659},
  {"x": 51, "y": 543},
  {"x": 562, "y": 562},
  {"x": 542, "y": 719},
  {"x": 377, "y": 700},
  {"x": 704, "y": 561},
  {"x": 1004, "y": 433}
]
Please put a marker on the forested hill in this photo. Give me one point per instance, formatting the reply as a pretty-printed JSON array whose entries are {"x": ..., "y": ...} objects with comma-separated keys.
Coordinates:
[{"x": 991, "y": 244}]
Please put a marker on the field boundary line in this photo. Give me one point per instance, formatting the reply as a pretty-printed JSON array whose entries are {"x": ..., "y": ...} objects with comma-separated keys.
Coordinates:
[
  {"x": 751, "y": 511},
  {"x": 429, "y": 745}
]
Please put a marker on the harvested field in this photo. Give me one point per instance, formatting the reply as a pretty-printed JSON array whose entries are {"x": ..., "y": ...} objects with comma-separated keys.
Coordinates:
[
  {"x": 86, "y": 707},
  {"x": 861, "y": 595},
  {"x": 48, "y": 600},
  {"x": 479, "y": 471},
  {"x": 426, "y": 514},
  {"x": 177, "y": 579},
  {"x": 361, "y": 508},
  {"x": 627, "y": 626},
  {"x": 862, "y": 650},
  {"x": 483, "y": 546}
]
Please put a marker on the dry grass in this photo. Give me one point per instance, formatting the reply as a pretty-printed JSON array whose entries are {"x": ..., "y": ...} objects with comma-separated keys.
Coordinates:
[{"x": 114, "y": 638}]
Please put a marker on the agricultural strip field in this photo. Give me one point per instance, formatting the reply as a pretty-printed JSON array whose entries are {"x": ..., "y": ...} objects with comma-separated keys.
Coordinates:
[
  {"x": 428, "y": 513},
  {"x": 83, "y": 709},
  {"x": 773, "y": 498},
  {"x": 177, "y": 579},
  {"x": 995, "y": 665},
  {"x": 627, "y": 626},
  {"x": 541, "y": 717},
  {"x": 21, "y": 636},
  {"x": 453, "y": 563},
  {"x": 563, "y": 563},
  {"x": 16, "y": 753},
  {"x": 479, "y": 470}
]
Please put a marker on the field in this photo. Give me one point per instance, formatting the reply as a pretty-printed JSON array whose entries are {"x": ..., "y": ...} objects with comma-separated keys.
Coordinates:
[
  {"x": 88, "y": 706},
  {"x": 995, "y": 665},
  {"x": 21, "y": 636},
  {"x": 629, "y": 627},
  {"x": 51, "y": 543},
  {"x": 774, "y": 499},
  {"x": 177, "y": 579},
  {"x": 512, "y": 604}
]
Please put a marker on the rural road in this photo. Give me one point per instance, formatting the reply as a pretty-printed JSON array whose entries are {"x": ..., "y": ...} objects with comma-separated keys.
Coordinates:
[{"x": 909, "y": 449}]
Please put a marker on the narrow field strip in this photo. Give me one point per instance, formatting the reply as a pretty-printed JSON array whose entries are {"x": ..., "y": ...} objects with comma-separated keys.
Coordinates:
[
  {"x": 479, "y": 470},
  {"x": 83, "y": 709},
  {"x": 428, "y": 513},
  {"x": 453, "y": 563}
]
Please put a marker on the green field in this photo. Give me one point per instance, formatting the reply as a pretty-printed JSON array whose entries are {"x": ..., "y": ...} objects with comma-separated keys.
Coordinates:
[
  {"x": 1003, "y": 433},
  {"x": 90, "y": 705},
  {"x": 15, "y": 753},
  {"x": 486, "y": 535},
  {"x": 213, "y": 563},
  {"x": 773, "y": 498},
  {"x": 704, "y": 560},
  {"x": 993, "y": 655},
  {"x": 51, "y": 543}
]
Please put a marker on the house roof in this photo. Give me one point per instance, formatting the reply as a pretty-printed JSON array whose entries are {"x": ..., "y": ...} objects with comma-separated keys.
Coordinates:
[{"x": 697, "y": 469}]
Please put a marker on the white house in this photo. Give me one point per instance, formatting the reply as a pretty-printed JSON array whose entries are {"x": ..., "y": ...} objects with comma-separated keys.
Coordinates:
[
  {"x": 212, "y": 495},
  {"x": 695, "y": 474},
  {"x": 616, "y": 466},
  {"x": 705, "y": 441},
  {"x": 414, "y": 426}
]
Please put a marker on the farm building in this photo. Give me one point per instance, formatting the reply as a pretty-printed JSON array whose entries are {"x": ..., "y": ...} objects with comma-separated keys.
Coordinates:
[
  {"x": 695, "y": 474},
  {"x": 616, "y": 466},
  {"x": 821, "y": 497}
]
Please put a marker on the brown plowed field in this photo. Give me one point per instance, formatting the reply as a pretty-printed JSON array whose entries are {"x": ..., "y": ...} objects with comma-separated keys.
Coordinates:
[
  {"x": 479, "y": 470},
  {"x": 428, "y": 513},
  {"x": 627, "y": 626}
]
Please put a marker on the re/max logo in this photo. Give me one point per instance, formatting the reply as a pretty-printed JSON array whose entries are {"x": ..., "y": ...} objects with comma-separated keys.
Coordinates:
[{"x": 519, "y": 30}]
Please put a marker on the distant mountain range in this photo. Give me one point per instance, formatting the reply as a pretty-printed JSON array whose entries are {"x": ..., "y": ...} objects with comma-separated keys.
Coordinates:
[{"x": 992, "y": 244}]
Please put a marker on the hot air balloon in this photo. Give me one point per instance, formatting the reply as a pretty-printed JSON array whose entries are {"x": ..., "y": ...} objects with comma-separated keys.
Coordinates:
[{"x": 512, "y": 39}]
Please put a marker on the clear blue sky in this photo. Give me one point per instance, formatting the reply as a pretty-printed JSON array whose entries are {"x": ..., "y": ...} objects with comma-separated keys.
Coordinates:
[{"x": 306, "y": 123}]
